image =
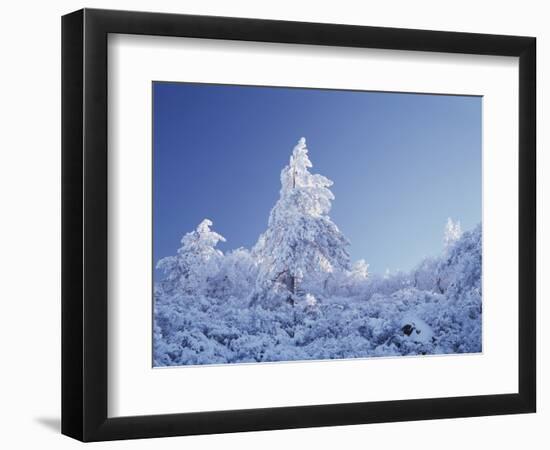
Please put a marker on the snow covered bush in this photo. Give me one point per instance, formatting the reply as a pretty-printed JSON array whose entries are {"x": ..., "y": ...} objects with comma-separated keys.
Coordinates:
[
  {"x": 296, "y": 296},
  {"x": 236, "y": 275}
]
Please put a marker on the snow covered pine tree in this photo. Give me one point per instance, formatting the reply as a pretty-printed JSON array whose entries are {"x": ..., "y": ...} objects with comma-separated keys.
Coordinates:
[
  {"x": 301, "y": 247},
  {"x": 196, "y": 260},
  {"x": 453, "y": 231}
]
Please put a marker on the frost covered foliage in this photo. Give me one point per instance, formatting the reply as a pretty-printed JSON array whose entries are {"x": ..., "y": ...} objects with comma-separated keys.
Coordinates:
[
  {"x": 197, "y": 260},
  {"x": 296, "y": 295},
  {"x": 302, "y": 247},
  {"x": 453, "y": 231}
]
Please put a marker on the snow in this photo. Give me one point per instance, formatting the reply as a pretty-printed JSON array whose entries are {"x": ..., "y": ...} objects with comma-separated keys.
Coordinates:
[
  {"x": 416, "y": 329},
  {"x": 296, "y": 296}
]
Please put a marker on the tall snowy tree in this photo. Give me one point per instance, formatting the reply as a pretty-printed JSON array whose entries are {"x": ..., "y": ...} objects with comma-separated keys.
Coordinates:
[
  {"x": 196, "y": 260},
  {"x": 453, "y": 231},
  {"x": 301, "y": 244}
]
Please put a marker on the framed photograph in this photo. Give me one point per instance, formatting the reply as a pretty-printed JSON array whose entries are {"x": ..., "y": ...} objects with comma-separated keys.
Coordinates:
[{"x": 273, "y": 224}]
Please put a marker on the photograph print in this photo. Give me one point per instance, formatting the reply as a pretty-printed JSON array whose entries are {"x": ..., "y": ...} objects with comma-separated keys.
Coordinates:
[{"x": 300, "y": 224}]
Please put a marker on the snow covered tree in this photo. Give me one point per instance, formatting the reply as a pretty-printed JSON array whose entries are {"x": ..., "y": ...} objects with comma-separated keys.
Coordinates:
[
  {"x": 196, "y": 260},
  {"x": 360, "y": 270},
  {"x": 301, "y": 244},
  {"x": 453, "y": 231}
]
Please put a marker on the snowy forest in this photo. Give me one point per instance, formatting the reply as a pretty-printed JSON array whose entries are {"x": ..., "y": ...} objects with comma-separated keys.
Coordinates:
[{"x": 296, "y": 295}]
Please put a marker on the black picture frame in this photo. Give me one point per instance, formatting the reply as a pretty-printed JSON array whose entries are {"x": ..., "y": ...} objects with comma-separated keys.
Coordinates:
[{"x": 84, "y": 224}]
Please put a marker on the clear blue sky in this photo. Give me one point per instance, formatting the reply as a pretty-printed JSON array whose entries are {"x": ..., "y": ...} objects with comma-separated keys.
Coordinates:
[{"x": 401, "y": 164}]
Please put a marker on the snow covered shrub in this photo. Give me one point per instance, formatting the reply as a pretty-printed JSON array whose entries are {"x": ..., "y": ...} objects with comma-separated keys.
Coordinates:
[{"x": 236, "y": 275}]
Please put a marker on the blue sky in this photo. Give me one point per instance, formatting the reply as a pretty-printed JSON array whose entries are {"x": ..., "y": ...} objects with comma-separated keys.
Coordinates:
[{"x": 401, "y": 164}]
